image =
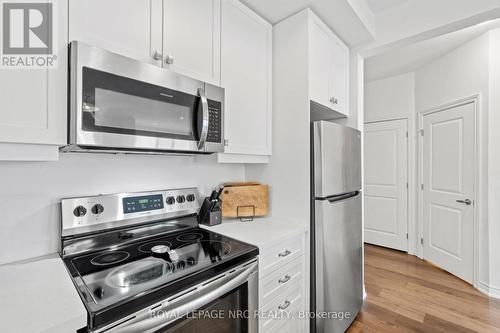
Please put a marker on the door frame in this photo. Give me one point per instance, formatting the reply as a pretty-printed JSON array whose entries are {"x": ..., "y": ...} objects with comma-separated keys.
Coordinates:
[
  {"x": 475, "y": 100},
  {"x": 409, "y": 150}
]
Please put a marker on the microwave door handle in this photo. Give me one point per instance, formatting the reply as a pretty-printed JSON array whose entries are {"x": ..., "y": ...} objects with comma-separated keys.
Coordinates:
[{"x": 206, "y": 119}]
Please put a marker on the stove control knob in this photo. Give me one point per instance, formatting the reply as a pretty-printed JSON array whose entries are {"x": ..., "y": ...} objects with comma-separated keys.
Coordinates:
[
  {"x": 190, "y": 197},
  {"x": 99, "y": 292},
  {"x": 79, "y": 211},
  {"x": 181, "y": 264},
  {"x": 170, "y": 200},
  {"x": 97, "y": 209},
  {"x": 173, "y": 256},
  {"x": 181, "y": 199}
]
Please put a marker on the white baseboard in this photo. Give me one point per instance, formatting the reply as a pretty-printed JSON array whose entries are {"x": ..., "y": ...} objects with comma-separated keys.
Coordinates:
[{"x": 491, "y": 291}]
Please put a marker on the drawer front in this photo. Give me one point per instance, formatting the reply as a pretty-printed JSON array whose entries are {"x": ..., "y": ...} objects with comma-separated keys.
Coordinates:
[
  {"x": 290, "y": 326},
  {"x": 279, "y": 280},
  {"x": 283, "y": 308},
  {"x": 273, "y": 257}
]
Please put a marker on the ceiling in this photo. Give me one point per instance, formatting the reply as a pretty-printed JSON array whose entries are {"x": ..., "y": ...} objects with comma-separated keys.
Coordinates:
[
  {"x": 373, "y": 27},
  {"x": 378, "y": 6},
  {"x": 339, "y": 15},
  {"x": 410, "y": 58}
]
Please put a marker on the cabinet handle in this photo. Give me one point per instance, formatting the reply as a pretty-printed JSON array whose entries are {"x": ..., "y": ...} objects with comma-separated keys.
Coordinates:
[
  {"x": 285, "y": 279},
  {"x": 334, "y": 100},
  {"x": 284, "y": 305},
  {"x": 157, "y": 56},
  {"x": 169, "y": 59},
  {"x": 284, "y": 254}
]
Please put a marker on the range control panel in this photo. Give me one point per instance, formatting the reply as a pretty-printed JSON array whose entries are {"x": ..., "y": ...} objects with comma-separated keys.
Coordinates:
[
  {"x": 142, "y": 203},
  {"x": 90, "y": 214}
]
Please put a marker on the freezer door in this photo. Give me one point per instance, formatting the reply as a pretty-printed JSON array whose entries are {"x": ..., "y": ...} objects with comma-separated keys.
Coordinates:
[
  {"x": 338, "y": 273},
  {"x": 337, "y": 159}
]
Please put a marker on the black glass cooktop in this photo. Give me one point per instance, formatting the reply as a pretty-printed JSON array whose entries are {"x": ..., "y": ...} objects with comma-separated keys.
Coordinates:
[{"x": 157, "y": 265}]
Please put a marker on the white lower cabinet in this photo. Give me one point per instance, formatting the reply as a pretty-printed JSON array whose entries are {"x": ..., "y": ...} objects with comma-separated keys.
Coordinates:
[{"x": 282, "y": 287}]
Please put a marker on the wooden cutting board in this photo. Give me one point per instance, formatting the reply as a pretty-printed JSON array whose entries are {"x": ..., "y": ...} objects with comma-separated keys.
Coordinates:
[{"x": 245, "y": 199}]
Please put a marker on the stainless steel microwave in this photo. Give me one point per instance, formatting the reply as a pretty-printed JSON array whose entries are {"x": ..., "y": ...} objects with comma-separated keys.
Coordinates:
[{"x": 120, "y": 104}]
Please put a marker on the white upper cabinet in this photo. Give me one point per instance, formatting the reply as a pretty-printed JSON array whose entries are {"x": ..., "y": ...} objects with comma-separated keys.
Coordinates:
[
  {"x": 246, "y": 60},
  {"x": 128, "y": 27},
  {"x": 329, "y": 68},
  {"x": 191, "y": 38},
  {"x": 33, "y": 112}
]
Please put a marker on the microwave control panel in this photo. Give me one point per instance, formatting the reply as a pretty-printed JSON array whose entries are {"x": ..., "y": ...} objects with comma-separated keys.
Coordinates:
[{"x": 215, "y": 123}]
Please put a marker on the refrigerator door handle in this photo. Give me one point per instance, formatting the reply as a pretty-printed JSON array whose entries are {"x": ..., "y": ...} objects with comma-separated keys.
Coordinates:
[{"x": 340, "y": 197}]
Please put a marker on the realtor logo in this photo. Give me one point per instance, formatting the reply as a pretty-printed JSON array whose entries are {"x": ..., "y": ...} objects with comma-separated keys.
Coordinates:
[{"x": 28, "y": 34}]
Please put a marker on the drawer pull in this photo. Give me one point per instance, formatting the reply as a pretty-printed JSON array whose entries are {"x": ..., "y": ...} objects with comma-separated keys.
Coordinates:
[
  {"x": 284, "y": 305},
  {"x": 285, "y": 254},
  {"x": 285, "y": 279}
]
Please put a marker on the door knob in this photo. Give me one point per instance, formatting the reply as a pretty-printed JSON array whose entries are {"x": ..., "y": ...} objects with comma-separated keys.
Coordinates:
[
  {"x": 334, "y": 100},
  {"x": 466, "y": 201}
]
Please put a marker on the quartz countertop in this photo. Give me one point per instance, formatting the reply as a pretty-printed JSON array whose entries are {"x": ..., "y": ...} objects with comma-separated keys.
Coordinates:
[
  {"x": 38, "y": 296},
  {"x": 261, "y": 231}
]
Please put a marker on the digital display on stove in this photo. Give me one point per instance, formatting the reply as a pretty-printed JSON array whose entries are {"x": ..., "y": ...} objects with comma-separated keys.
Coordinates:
[{"x": 142, "y": 204}]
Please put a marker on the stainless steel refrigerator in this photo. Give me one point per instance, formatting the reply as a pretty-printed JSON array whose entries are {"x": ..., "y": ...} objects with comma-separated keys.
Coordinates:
[{"x": 336, "y": 229}]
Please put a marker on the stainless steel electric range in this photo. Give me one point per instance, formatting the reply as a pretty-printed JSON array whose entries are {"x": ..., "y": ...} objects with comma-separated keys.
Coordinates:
[{"x": 141, "y": 264}]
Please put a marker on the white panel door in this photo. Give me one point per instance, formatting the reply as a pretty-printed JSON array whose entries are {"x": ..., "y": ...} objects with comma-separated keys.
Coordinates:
[
  {"x": 246, "y": 76},
  {"x": 126, "y": 27},
  {"x": 191, "y": 38},
  {"x": 385, "y": 184},
  {"x": 448, "y": 195}
]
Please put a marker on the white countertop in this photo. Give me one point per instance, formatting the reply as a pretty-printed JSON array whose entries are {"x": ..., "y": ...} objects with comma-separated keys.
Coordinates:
[
  {"x": 38, "y": 296},
  {"x": 261, "y": 231}
]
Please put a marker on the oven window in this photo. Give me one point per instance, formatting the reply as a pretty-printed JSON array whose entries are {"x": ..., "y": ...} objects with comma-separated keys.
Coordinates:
[
  {"x": 115, "y": 104},
  {"x": 221, "y": 316}
]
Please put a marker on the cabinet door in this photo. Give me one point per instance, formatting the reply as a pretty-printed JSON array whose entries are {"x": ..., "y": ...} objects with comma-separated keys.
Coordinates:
[
  {"x": 339, "y": 79},
  {"x": 191, "y": 38},
  {"x": 126, "y": 27},
  {"x": 320, "y": 63},
  {"x": 246, "y": 75},
  {"x": 33, "y": 101},
  {"x": 329, "y": 68}
]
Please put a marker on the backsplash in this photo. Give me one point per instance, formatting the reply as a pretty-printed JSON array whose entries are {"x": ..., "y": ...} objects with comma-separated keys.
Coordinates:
[{"x": 30, "y": 193}]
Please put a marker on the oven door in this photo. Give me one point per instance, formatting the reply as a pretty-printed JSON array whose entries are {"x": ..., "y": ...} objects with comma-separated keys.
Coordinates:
[
  {"x": 227, "y": 303},
  {"x": 121, "y": 103}
]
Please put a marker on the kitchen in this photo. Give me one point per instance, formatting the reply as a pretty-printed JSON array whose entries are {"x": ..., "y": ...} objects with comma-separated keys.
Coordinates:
[{"x": 93, "y": 168}]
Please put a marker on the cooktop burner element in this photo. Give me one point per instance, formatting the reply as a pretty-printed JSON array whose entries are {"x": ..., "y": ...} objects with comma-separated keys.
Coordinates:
[
  {"x": 123, "y": 262},
  {"x": 110, "y": 258},
  {"x": 148, "y": 247},
  {"x": 190, "y": 237},
  {"x": 136, "y": 273}
]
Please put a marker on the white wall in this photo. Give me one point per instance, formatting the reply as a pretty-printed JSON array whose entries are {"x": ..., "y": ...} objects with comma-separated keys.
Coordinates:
[
  {"x": 288, "y": 170},
  {"x": 30, "y": 192},
  {"x": 493, "y": 181},
  {"x": 390, "y": 98}
]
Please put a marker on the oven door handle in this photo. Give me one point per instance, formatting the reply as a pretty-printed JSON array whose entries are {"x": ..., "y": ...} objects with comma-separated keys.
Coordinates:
[
  {"x": 205, "y": 119},
  {"x": 148, "y": 323}
]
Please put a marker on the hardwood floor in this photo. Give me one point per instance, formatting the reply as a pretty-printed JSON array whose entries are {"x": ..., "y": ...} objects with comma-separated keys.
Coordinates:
[{"x": 406, "y": 294}]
